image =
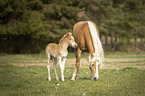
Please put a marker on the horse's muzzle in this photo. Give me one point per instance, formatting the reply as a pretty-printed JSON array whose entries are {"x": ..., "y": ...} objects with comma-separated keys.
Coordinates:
[{"x": 93, "y": 77}]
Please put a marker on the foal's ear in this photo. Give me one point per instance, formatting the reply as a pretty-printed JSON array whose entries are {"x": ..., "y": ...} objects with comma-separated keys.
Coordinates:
[{"x": 66, "y": 32}]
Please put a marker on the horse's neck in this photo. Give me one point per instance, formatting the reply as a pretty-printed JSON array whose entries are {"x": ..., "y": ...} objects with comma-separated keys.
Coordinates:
[{"x": 62, "y": 47}]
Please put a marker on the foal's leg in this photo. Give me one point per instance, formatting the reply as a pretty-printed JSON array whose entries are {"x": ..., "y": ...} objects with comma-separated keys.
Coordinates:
[
  {"x": 63, "y": 62},
  {"x": 55, "y": 66},
  {"x": 48, "y": 66},
  {"x": 78, "y": 56},
  {"x": 61, "y": 67}
]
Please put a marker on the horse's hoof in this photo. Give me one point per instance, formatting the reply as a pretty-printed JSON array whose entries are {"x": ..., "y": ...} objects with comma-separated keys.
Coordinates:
[
  {"x": 77, "y": 78},
  {"x": 96, "y": 78}
]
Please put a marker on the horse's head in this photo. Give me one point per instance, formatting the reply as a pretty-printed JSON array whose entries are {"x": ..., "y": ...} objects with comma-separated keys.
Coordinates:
[{"x": 94, "y": 67}]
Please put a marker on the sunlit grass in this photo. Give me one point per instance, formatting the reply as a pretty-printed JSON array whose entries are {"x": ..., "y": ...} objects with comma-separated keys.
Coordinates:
[{"x": 32, "y": 80}]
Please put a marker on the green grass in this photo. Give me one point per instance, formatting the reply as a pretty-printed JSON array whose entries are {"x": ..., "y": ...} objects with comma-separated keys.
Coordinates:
[
  {"x": 32, "y": 80},
  {"x": 124, "y": 55},
  {"x": 128, "y": 61}
]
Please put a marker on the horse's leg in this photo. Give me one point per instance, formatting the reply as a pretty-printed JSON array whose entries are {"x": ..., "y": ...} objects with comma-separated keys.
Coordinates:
[
  {"x": 48, "y": 66},
  {"x": 78, "y": 56},
  {"x": 55, "y": 66},
  {"x": 61, "y": 67}
]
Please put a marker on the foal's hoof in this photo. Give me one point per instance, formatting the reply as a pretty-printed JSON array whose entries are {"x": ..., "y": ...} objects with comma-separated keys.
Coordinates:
[
  {"x": 63, "y": 80},
  {"x": 73, "y": 79},
  {"x": 49, "y": 79}
]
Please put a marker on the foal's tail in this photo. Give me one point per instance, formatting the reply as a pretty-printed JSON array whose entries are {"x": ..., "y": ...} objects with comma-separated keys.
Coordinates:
[
  {"x": 47, "y": 53},
  {"x": 99, "y": 53}
]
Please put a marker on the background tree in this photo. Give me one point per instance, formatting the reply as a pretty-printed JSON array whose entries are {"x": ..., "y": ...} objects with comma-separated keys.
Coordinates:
[{"x": 32, "y": 24}]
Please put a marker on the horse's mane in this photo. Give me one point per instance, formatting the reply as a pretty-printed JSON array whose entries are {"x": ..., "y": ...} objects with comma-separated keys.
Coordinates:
[
  {"x": 99, "y": 53},
  {"x": 64, "y": 37}
]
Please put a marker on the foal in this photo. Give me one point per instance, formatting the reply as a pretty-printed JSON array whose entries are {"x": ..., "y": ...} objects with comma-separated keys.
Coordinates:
[{"x": 58, "y": 52}]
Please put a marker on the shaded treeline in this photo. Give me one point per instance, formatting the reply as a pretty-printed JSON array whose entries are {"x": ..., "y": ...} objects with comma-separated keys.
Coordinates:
[{"x": 27, "y": 26}]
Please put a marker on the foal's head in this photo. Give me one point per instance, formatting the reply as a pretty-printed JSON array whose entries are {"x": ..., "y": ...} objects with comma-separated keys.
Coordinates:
[{"x": 69, "y": 39}]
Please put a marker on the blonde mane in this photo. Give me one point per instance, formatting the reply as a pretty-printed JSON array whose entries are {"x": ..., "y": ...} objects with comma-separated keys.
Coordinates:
[
  {"x": 64, "y": 37},
  {"x": 99, "y": 53}
]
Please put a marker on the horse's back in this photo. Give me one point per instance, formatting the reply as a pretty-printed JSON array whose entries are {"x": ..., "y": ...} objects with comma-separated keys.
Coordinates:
[
  {"x": 51, "y": 49},
  {"x": 81, "y": 26},
  {"x": 78, "y": 27},
  {"x": 83, "y": 37}
]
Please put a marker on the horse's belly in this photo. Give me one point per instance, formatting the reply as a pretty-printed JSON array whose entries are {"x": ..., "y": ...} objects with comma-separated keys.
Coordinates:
[{"x": 82, "y": 45}]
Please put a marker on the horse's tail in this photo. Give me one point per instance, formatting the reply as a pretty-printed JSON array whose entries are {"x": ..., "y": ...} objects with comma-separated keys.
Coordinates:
[{"x": 99, "y": 53}]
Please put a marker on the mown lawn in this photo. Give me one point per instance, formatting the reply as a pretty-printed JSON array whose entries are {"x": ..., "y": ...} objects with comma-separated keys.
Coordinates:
[{"x": 32, "y": 80}]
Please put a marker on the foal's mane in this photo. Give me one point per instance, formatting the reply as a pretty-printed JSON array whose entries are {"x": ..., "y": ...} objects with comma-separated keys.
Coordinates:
[{"x": 64, "y": 37}]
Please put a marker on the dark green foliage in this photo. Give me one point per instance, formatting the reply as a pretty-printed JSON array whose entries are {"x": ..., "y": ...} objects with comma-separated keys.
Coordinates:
[
  {"x": 32, "y": 24},
  {"x": 27, "y": 24}
]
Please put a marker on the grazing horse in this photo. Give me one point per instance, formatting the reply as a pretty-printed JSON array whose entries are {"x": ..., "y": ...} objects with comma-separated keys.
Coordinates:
[
  {"x": 58, "y": 53},
  {"x": 86, "y": 36}
]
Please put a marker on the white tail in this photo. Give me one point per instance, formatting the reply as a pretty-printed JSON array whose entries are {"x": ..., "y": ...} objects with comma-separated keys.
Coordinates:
[{"x": 99, "y": 53}]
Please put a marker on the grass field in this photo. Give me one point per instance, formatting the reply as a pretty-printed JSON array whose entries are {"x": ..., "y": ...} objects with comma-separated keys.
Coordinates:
[{"x": 123, "y": 74}]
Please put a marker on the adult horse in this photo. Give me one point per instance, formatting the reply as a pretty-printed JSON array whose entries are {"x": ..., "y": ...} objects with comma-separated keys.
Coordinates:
[{"x": 86, "y": 36}]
